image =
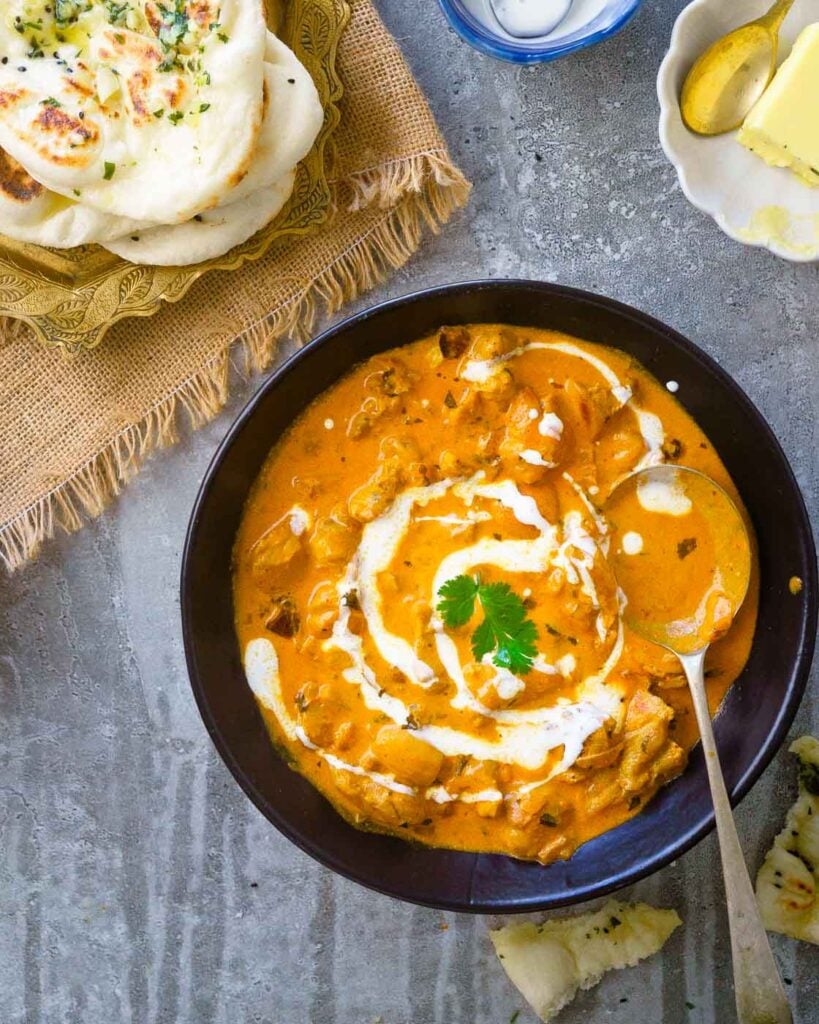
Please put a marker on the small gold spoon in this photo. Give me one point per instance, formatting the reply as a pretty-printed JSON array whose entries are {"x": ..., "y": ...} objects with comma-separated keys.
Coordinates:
[
  {"x": 731, "y": 75},
  {"x": 667, "y": 516}
]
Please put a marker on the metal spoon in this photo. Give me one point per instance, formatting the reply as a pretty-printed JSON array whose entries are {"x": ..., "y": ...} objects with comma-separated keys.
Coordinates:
[
  {"x": 528, "y": 18},
  {"x": 731, "y": 75},
  {"x": 685, "y": 515}
]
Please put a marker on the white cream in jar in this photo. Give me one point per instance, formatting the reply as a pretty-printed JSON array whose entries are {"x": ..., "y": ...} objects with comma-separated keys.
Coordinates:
[{"x": 524, "y": 20}]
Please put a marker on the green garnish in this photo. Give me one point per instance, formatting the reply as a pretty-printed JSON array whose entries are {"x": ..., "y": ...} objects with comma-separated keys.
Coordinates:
[
  {"x": 110, "y": 169},
  {"x": 505, "y": 629}
]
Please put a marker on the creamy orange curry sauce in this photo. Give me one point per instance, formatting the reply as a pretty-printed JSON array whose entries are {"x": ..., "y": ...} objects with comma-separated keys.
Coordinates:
[{"x": 425, "y": 601}]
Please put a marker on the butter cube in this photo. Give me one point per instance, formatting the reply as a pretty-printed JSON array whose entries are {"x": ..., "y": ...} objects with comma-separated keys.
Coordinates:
[{"x": 783, "y": 126}]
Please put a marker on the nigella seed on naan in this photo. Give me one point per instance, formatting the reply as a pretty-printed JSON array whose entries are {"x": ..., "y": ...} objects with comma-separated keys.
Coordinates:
[
  {"x": 144, "y": 110},
  {"x": 209, "y": 234}
]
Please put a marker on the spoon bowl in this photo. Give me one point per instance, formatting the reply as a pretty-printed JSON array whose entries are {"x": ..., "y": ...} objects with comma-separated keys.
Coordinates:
[
  {"x": 670, "y": 515},
  {"x": 731, "y": 75}
]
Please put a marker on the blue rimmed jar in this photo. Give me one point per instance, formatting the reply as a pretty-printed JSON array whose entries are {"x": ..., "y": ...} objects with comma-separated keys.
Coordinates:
[{"x": 610, "y": 19}]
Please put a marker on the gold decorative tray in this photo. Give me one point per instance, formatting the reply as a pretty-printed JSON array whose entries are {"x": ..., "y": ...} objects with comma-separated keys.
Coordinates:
[{"x": 71, "y": 297}]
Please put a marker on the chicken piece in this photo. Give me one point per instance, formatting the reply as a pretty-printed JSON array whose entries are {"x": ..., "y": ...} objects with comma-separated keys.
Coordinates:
[
  {"x": 392, "y": 378},
  {"x": 618, "y": 451},
  {"x": 320, "y": 719},
  {"x": 601, "y": 750},
  {"x": 398, "y": 466},
  {"x": 370, "y": 411},
  {"x": 538, "y": 804},
  {"x": 276, "y": 547},
  {"x": 334, "y": 538},
  {"x": 322, "y": 609},
  {"x": 344, "y": 736},
  {"x": 528, "y": 451},
  {"x": 604, "y": 790},
  {"x": 283, "y": 619},
  {"x": 453, "y": 341},
  {"x": 411, "y": 760},
  {"x": 374, "y": 497},
  {"x": 587, "y": 406},
  {"x": 555, "y": 848},
  {"x": 649, "y": 757},
  {"x": 473, "y": 776},
  {"x": 402, "y": 455},
  {"x": 488, "y": 341}
]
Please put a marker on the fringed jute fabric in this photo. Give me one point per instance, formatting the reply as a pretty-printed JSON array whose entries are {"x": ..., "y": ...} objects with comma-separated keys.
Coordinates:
[{"x": 74, "y": 430}]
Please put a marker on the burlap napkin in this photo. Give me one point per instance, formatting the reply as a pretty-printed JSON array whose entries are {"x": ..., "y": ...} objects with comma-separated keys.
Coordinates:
[{"x": 74, "y": 430}]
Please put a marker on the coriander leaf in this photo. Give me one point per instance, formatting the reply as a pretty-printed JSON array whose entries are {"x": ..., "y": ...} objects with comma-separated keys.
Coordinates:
[
  {"x": 505, "y": 629},
  {"x": 458, "y": 600},
  {"x": 515, "y": 635},
  {"x": 483, "y": 640}
]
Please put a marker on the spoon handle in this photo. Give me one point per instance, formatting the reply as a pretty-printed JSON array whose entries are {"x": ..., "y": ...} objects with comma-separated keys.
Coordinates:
[
  {"x": 777, "y": 14},
  {"x": 760, "y": 996}
]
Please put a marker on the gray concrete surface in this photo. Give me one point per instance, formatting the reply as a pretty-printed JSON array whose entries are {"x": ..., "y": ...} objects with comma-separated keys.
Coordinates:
[{"x": 137, "y": 884}]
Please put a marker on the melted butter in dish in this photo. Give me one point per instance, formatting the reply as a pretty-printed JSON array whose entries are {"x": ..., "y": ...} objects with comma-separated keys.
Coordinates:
[{"x": 426, "y": 605}]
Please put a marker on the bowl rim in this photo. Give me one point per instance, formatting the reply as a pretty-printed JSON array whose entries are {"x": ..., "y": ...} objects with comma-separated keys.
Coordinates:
[
  {"x": 616, "y": 879},
  {"x": 486, "y": 42}
]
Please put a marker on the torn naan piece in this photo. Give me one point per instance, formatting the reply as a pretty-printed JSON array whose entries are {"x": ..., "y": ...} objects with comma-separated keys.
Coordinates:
[
  {"x": 787, "y": 886},
  {"x": 140, "y": 109},
  {"x": 550, "y": 962}
]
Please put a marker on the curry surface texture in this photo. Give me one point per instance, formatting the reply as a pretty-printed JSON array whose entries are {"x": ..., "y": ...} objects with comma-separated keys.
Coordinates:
[{"x": 519, "y": 715}]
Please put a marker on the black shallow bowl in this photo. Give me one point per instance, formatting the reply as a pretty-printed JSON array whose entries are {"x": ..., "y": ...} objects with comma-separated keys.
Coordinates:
[{"x": 757, "y": 711}]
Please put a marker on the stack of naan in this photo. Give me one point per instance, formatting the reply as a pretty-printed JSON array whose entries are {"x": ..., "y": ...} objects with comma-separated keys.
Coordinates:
[{"x": 166, "y": 130}]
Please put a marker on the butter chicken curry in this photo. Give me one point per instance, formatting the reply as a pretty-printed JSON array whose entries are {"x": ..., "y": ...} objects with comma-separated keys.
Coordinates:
[{"x": 425, "y": 602}]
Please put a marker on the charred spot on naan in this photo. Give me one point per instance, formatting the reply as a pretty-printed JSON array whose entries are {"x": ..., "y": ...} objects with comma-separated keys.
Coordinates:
[
  {"x": 175, "y": 93},
  {"x": 11, "y": 97},
  {"x": 64, "y": 138},
  {"x": 16, "y": 184},
  {"x": 130, "y": 45},
  {"x": 203, "y": 12}
]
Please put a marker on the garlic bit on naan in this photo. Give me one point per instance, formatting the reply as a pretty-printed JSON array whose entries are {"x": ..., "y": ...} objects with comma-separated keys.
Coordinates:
[
  {"x": 787, "y": 886},
  {"x": 550, "y": 962},
  {"x": 141, "y": 109}
]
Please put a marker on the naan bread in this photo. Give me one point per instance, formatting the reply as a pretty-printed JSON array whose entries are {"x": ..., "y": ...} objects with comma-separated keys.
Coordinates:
[
  {"x": 293, "y": 118},
  {"x": 787, "y": 886},
  {"x": 210, "y": 234},
  {"x": 148, "y": 110},
  {"x": 550, "y": 962},
  {"x": 30, "y": 213}
]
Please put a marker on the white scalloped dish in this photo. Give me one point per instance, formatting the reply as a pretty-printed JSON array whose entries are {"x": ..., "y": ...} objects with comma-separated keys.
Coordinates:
[{"x": 752, "y": 202}]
